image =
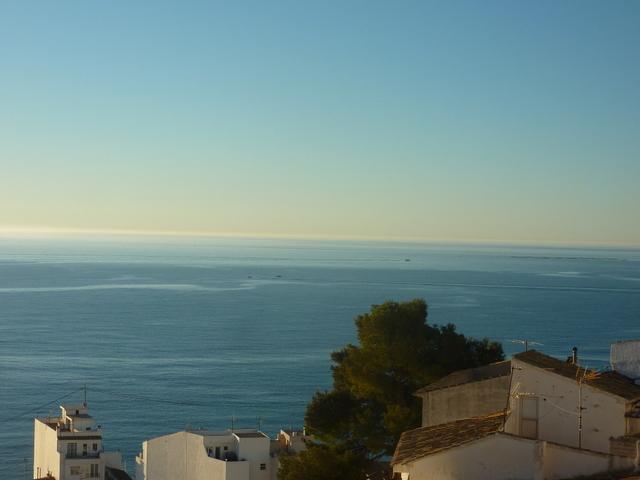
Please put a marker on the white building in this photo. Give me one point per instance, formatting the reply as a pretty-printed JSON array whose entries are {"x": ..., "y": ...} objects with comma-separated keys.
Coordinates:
[
  {"x": 558, "y": 421},
  {"x": 293, "y": 441},
  {"x": 561, "y": 402},
  {"x": 207, "y": 455},
  {"x": 477, "y": 448},
  {"x": 69, "y": 447}
]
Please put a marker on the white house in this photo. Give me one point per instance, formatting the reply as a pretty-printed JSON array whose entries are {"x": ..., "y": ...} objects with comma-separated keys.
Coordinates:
[
  {"x": 207, "y": 455},
  {"x": 69, "y": 447},
  {"x": 561, "y": 402},
  {"x": 477, "y": 448},
  {"x": 559, "y": 420}
]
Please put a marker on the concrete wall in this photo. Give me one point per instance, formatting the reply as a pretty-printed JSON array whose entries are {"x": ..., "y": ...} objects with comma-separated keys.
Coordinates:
[
  {"x": 625, "y": 358},
  {"x": 256, "y": 451},
  {"x": 492, "y": 458},
  {"x": 506, "y": 457},
  {"x": 226, "y": 443},
  {"x": 464, "y": 401},
  {"x": 562, "y": 462},
  {"x": 46, "y": 458},
  {"x": 558, "y": 400}
]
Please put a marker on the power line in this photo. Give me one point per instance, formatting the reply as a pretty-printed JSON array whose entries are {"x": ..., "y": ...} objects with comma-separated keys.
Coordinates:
[
  {"x": 154, "y": 400},
  {"x": 39, "y": 407}
]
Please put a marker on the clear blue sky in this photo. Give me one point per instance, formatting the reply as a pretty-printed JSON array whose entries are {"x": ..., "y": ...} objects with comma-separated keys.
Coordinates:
[{"x": 503, "y": 121}]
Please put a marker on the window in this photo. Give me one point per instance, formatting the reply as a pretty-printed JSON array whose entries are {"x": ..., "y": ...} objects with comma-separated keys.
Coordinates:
[
  {"x": 263, "y": 466},
  {"x": 529, "y": 417},
  {"x": 74, "y": 470},
  {"x": 72, "y": 449},
  {"x": 95, "y": 447},
  {"x": 84, "y": 449},
  {"x": 94, "y": 470},
  {"x": 226, "y": 448}
]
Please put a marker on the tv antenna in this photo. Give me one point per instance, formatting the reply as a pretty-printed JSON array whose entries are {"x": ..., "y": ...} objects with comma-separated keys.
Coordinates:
[{"x": 526, "y": 343}]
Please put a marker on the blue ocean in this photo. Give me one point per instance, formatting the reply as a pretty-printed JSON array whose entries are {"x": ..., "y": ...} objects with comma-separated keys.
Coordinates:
[{"x": 193, "y": 331}]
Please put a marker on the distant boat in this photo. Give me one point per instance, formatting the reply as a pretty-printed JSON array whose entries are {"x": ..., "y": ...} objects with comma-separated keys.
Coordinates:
[{"x": 407, "y": 259}]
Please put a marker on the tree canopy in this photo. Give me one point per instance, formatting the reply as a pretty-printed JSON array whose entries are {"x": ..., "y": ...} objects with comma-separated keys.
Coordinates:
[
  {"x": 323, "y": 462},
  {"x": 372, "y": 402}
]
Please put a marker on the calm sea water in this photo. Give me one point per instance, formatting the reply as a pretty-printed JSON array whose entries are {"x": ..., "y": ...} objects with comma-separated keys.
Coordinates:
[{"x": 168, "y": 333}]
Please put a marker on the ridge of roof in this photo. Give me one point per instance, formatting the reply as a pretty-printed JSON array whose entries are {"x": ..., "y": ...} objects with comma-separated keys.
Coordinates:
[
  {"x": 469, "y": 375},
  {"x": 608, "y": 381},
  {"x": 424, "y": 441}
]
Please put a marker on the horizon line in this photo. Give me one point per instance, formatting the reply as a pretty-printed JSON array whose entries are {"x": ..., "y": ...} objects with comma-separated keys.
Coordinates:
[{"x": 52, "y": 232}]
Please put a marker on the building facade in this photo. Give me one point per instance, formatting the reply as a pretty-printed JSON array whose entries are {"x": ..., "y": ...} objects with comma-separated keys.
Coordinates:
[
  {"x": 551, "y": 419},
  {"x": 478, "y": 449},
  {"x": 70, "y": 447},
  {"x": 466, "y": 393},
  {"x": 207, "y": 455},
  {"x": 561, "y": 402}
]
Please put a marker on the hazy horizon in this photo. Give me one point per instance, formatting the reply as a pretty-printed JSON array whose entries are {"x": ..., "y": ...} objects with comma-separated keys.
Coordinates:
[{"x": 137, "y": 236}]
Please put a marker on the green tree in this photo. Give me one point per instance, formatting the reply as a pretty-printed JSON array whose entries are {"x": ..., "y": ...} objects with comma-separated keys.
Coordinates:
[
  {"x": 372, "y": 399},
  {"x": 323, "y": 462}
]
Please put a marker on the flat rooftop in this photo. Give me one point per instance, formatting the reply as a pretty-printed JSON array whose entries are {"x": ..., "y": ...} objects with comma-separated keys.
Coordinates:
[{"x": 226, "y": 433}]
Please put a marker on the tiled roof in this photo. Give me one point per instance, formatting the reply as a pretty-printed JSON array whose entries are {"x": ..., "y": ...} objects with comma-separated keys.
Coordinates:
[
  {"x": 611, "y": 382},
  {"x": 423, "y": 441},
  {"x": 460, "y": 377}
]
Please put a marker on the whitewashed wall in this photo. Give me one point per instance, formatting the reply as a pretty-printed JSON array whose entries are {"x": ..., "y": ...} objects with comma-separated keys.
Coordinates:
[
  {"x": 45, "y": 454},
  {"x": 493, "y": 458},
  {"x": 184, "y": 455},
  {"x": 565, "y": 462},
  {"x": 506, "y": 457},
  {"x": 464, "y": 401},
  {"x": 558, "y": 400}
]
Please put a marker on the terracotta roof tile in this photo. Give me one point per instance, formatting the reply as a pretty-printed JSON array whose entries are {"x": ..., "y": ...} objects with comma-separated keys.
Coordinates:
[{"x": 423, "y": 441}]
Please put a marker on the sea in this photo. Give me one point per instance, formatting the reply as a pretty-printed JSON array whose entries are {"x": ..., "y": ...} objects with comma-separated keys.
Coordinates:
[{"x": 167, "y": 333}]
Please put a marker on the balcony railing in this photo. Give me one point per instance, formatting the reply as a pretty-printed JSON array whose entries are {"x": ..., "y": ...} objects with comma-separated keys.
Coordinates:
[{"x": 81, "y": 455}]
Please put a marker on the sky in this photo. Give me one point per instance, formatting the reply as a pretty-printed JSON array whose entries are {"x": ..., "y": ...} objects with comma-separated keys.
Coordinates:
[{"x": 501, "y": 121}]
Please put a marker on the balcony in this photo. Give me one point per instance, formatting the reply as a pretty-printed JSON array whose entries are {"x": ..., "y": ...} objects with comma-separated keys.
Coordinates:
[
  {"x": 80, "y": 455},
  {"x": 66, "y": 434}
]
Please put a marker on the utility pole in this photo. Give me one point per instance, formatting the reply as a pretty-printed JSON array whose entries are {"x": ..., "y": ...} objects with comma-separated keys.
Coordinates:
[{"x": 580, "y": 409}]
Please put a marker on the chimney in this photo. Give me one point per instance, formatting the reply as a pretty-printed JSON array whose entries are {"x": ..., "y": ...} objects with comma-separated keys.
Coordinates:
[{"x": 574, "y": 355}]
